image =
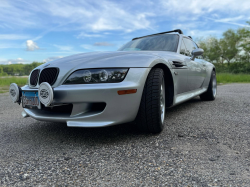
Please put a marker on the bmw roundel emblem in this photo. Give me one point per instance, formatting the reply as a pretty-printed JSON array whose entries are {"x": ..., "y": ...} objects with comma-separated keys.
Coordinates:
[{"x": 46, "y": 65}]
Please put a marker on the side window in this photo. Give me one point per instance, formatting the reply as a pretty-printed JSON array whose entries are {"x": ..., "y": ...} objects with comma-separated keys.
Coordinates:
[
  {"x": 183, "y": 49},
  {"x": 196, "y": 46},
  {"x": 189, "y": 46}
]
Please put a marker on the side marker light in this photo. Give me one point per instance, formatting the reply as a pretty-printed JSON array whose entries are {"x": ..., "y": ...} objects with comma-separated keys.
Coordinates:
[{"x": 123, "y": 92}]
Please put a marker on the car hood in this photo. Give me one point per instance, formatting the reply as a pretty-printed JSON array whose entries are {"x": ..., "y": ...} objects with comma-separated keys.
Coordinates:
[
  {"x": 109, "y": 59},
  {"x": 114, "y": 59}
]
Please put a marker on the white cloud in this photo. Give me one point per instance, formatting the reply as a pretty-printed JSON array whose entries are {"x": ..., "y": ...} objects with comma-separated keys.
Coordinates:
[
  {"x": 191, "y": 29},
  {"x": 9, "y": 46},
  {"x": 231, "y": 21},
  {"x": 187, "y": 26},
  {"x": 92, "y": 19},
  {"x": 85, "y": 35},
  {"x": 31, "y": 45},
  {"x": 13, "y": 37},
  {"x": 14, "y": 61},
  {"x": 205, "y": 6},
  {"x": 97, "y": 16},
  {"x": 103, "y": 44},
  {"x": 63, "y": 47},
  {"x": 98, "y": 46},
  {"x": 12, "y": 14},
  {"x": 195, "y": 33},
  {"x": 80, "y": 15},
  {"x": 52, "y": 58},
  {"x": 88, "y": 47},
  {"x": 229, "y": 12},
  {"x": 103, "y": 24},
  {"x": 101, "y": 16}
]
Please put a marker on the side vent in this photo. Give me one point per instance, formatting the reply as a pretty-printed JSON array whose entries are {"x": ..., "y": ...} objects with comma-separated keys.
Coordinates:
[{"x": 178, "y": 64}]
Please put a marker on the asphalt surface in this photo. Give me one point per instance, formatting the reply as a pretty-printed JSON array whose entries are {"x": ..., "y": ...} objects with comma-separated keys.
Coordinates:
[{"x": 203, "y": 144}]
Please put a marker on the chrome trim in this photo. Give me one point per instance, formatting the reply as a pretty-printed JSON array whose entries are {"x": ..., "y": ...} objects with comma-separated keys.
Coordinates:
[{"x": 39, "y": 71}]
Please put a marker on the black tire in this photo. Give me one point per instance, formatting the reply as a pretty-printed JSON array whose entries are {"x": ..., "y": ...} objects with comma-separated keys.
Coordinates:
[
  {"x": 149, "y": 118},
  {"x": 210, "y": 95}
]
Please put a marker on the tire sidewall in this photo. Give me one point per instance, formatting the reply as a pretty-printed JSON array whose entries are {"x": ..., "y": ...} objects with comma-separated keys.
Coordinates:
[
  {"x": 213, "y": 76},
  {"x": 148, "y": 118}
]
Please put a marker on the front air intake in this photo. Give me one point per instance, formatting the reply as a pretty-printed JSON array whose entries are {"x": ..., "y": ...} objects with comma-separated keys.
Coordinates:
[
  {"x": 49, "y": 75},
  {"x": 34, "y": 77}
]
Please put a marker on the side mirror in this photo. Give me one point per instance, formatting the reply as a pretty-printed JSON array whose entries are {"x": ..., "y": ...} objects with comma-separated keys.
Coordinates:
[{"x": 197, "y": 52}]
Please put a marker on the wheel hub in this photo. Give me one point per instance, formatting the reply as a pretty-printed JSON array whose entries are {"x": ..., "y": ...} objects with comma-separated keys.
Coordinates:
[
  {"x": 162, "y": 101},
  {"x": 214, "y": 85}
]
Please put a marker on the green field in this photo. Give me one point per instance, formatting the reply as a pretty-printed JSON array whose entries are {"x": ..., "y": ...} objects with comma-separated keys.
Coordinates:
[
  {"x": 233, "y": 78},
  {"x": 221, "y": 78},
  {"x": 6, "y": 81}
]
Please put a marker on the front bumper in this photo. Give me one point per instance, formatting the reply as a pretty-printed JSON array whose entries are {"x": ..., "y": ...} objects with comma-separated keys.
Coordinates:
[{"x": 118, "y": 109}]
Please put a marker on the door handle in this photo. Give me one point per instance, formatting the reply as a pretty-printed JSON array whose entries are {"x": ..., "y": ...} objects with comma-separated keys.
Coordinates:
[{"x": 178, "y": 64}]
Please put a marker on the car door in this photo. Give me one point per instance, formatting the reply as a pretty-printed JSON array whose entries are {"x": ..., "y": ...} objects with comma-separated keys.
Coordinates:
[
  {"x": 202, "y": 64},
  {"x": 181, "y": 71},
  {"x": 195, "y": 68}
]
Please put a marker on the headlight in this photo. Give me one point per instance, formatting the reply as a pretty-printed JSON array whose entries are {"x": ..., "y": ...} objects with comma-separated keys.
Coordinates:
[{"x": 91, "y": 76}]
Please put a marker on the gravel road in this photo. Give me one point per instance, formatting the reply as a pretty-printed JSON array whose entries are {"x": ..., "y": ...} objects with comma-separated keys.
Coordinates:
[{"x": 203, "y": 144}]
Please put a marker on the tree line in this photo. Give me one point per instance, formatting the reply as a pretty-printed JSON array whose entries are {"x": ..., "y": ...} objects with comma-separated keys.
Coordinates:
[
  {"x": 18, "y": 69},
  {"x": 231, "y": 53}
]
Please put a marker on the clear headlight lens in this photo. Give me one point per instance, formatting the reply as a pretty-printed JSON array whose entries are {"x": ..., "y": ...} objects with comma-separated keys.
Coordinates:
[
  {"x": 91, "y": 76},
  {"x": 87, "y": 76},
  {"x": 103, "y": 75}
]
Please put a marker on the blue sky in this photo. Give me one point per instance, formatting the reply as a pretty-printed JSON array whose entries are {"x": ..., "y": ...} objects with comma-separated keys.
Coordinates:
[{"x": 43, "y": 30}]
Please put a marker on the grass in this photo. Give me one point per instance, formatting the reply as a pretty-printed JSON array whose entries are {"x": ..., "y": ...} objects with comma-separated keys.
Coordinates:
[
  {"x": 221, "y": 78},
  {"x": 6, "y": 81},
  {"x": 232, "y": 78}
]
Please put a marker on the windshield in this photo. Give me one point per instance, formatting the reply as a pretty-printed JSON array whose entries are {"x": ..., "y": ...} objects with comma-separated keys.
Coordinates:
[{"x": 162, "y": 42}]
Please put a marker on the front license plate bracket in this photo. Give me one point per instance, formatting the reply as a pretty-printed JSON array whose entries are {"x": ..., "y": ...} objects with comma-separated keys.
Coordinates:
[{"x": 30, "y": 100}]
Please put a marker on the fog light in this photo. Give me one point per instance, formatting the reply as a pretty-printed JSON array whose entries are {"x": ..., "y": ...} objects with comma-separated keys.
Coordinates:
[
  {"x": 45, "y": 93},
  {"x": 15, "y": 93}
]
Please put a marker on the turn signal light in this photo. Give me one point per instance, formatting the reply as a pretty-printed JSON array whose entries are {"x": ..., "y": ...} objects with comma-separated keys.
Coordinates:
[{"x": 123, "y": 92}]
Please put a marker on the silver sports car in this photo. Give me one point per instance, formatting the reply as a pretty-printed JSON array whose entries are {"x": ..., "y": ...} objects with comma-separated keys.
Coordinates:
[{"x": 136, "y": 84}]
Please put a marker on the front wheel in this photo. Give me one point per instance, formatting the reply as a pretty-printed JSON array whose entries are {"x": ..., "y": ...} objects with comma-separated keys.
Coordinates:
[
  {"x": 211, "y": 92},
  {"x": 151, "y": 114}
]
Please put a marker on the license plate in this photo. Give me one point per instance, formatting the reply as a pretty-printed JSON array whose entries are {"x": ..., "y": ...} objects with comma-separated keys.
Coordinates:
[{"x": 30, "y": 100}]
